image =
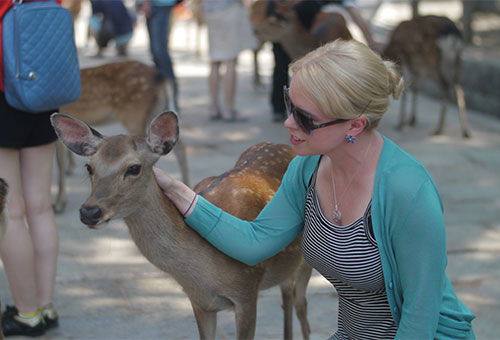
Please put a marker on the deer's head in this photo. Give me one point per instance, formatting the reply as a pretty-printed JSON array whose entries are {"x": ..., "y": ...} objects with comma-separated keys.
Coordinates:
[
  {"x": 272, "y": 20},
  {"x": 119, "y": 167}
]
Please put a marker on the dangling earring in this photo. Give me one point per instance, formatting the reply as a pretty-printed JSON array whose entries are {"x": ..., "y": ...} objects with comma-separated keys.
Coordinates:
[{"x": 350, "y": 139}]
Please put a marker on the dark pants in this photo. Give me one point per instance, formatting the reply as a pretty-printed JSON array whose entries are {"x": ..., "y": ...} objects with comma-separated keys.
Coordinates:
[{"x": 280, "y": 78}]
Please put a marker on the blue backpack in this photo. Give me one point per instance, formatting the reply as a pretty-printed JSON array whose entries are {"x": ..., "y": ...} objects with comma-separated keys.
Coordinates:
[{"x": 41, "y": 70}]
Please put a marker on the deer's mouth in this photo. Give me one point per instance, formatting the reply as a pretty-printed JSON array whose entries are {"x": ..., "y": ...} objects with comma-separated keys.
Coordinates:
[{"x": 92, "y": 216}]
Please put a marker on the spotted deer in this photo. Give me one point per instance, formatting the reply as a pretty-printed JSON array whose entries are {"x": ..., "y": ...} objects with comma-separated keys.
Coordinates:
[
  {"x": 124, "y": 91},
  {"x": 276, "y": 21},
  {"x": 430, "y": 45},
  {"x": 123, "y": 186}
]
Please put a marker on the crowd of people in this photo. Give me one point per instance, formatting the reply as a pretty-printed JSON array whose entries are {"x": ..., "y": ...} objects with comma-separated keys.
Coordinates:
[{"x": 339, "y": 192}]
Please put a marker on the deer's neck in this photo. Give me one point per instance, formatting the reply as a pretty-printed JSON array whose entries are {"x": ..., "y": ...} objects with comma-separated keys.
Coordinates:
[
  {"x": 160, "y": 233},
  {"x": 298, "y": 41}
]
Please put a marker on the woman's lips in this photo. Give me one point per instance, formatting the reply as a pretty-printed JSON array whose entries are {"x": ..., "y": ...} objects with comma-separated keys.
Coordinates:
[{"x": 295, "y": 141}]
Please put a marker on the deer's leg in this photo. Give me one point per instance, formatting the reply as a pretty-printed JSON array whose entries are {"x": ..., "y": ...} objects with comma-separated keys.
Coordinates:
[
  {"x": 246, "y": 315},
  {"x": 414, "y": 98},
  {"x": 180, "y": 154},
  {"x": 300, "y": 301},
  {"x": 464, "y": 123},
  {"x": 60, "y": 202},
  {"x": 402, "y": 108},
  {"x": 287, "y": 299},
  {"x": 206, "y": 321},
  {"x": 70, "y": 169},
  {"x": 444, "y": 104},
  {"x": 257, "y": 82}
]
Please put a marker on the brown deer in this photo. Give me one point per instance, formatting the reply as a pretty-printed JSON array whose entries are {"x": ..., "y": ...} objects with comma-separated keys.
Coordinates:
[
  {"x": 432, "y": 45},
  {"x": 124, "y": 186},
  {"x": 126, "y": 92},
  {"x": 282, "y": 25}
]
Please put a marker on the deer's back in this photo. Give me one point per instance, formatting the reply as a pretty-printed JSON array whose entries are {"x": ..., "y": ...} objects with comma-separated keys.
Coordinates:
[
  {"x": 417, "y": 41},
  {"x": 244, "y": 190},
  {"x": 123, "y": 91}
]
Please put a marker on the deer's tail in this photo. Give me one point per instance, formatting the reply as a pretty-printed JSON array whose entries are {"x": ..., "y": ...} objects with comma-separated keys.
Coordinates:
[{"x": 451, "y": 46}]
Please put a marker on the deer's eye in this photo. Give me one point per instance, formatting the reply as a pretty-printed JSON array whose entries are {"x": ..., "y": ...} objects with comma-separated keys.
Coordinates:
[
  {"x": 133, "y": 170},
  {"x": 89, "y": 169}
]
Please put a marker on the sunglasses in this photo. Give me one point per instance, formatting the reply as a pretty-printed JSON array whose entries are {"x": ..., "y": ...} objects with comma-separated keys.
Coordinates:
[{"x": 303, "y": 118}]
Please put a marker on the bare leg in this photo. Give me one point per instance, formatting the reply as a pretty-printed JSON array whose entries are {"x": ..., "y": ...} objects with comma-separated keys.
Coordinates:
[
  {"x": 36, "y": 170},
  {"x": 16, "y": 247},
  {"x": 230, "y": 88},
  {"x": 213, "y": 83}
]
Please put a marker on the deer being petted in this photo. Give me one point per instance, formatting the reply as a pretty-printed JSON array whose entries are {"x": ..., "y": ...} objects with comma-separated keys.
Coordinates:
[
  {"x": 430, "y": 45},
  {"x": 124, "y": 91},
  {"x": 124, "y": 186}
]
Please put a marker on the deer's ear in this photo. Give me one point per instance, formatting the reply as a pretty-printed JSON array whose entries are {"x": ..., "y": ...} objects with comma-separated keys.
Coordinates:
[
  {"x": 163, "y": 133},
  {"x": 75, "y": 134}
]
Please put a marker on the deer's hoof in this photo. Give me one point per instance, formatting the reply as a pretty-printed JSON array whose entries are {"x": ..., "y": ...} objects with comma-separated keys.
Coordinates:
[{"x": 59, "y": 207}]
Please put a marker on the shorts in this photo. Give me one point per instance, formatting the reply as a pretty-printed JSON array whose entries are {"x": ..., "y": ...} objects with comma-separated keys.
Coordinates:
[{"x": 19, "y": 129}]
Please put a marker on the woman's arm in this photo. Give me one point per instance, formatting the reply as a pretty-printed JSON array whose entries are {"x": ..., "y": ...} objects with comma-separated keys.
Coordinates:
[
  {"x": 251, "y": 242},
  {"x": 420, "y": 251}
]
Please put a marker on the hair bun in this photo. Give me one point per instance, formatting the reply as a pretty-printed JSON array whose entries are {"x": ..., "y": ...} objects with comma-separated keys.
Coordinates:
[{"x": 396, "y": 82}]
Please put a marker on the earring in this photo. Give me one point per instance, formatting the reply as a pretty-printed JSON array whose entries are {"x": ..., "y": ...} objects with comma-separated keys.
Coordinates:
[{"x": 350, "y": 139}]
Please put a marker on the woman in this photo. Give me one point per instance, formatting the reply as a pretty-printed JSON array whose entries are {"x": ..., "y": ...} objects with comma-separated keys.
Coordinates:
[
  {"x": 371, "y": 216},
  {"x": 229, "y": 33},
  {"x": 30, "y": 245}
]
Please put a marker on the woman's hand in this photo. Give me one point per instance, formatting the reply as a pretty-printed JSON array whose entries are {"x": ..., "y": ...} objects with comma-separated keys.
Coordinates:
[
  {"x": 163, "y": 179},
  {"x": 179, "y": 193}
]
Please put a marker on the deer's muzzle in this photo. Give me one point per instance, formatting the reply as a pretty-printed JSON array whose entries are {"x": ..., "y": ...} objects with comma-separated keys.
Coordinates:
[{"x": 90, "y": 215}]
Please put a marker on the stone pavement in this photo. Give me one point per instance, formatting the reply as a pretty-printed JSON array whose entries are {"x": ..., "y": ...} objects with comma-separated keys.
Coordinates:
[{"x": 106, "y": 290}]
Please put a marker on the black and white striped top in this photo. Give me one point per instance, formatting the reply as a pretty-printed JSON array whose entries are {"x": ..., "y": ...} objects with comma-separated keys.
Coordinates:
[{"x": 348, "y": 257}]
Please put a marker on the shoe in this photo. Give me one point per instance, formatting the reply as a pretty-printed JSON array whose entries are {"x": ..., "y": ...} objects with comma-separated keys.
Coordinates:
[
  {"x": 234, "y": 117},
  {"x": 12, "y": 326},
  {"x": 50, "y": 316}
]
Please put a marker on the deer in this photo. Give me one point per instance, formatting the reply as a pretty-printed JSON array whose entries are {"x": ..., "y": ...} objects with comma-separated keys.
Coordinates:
[
  {"x": 282, "y": 25},
  {"x": 123, "y": 186},
  {"x": 433, "y": 45},
  {"x": 123, "y": 91}
]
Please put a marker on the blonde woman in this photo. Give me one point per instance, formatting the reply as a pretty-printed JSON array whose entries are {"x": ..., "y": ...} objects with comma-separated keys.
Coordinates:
[{"x": 370, "y": 214}]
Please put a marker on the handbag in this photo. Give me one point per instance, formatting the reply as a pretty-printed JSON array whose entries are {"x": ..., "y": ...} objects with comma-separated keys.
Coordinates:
[{"x": 41, "y": 69}]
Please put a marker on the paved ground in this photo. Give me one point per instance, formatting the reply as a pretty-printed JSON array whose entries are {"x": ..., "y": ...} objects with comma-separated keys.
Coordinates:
[{"x": 107, "y": 290}]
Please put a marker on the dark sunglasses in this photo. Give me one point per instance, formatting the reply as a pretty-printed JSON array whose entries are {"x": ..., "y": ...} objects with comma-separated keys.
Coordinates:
[{"x": 303, "y": 118}]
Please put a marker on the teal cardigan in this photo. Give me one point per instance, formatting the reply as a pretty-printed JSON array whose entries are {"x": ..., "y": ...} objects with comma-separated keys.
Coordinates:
[{"x": 408, "y": 223}]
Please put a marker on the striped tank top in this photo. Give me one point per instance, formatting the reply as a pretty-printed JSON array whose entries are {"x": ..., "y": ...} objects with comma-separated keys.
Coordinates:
[{"x": 348, "y": 257}]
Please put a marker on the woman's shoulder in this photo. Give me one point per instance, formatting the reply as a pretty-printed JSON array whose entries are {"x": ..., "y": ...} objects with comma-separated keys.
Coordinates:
[{"x": 399, "y": 168}]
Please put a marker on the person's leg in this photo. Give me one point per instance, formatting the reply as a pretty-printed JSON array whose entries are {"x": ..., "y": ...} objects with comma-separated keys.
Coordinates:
[
  {"x": 158, "y": 29},
  {"x": 214, "y": 85},
  {"x": 280, "y": 79},
  {"x": 16, "y": 247},
  {"x": 230, "y": 88},
  {"x": 36, "y": 170}
]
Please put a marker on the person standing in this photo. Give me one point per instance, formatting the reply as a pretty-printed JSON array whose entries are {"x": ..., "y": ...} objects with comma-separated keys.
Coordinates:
[
  {"x": 229, "y": 33},
  {"x": 30, "y": 245},
  {"x": 158, "y": 14}
]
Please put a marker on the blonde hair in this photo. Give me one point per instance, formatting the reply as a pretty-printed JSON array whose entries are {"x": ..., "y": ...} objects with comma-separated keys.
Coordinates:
[{"x": 346, "y": 79}]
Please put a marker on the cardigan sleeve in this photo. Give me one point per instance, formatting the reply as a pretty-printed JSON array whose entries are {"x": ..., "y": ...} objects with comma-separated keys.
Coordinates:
[
  {"x": 420, "y": 252},
  {"x": 277, "y": 225}
]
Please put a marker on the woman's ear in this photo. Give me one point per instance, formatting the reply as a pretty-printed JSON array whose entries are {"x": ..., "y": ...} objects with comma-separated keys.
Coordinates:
[{"x": 357, "y": 125}]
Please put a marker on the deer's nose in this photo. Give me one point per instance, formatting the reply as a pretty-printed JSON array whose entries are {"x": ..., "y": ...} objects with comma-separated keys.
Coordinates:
[{"x": 90, "y": 215}]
